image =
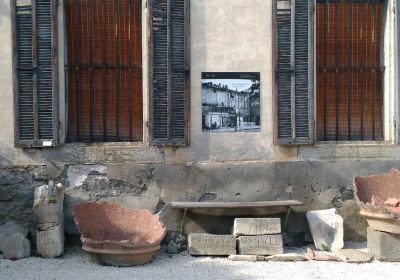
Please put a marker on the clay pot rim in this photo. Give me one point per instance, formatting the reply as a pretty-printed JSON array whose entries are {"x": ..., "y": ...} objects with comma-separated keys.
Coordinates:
[
  {"x": 122, "y": 244},
  {"x": 110, "y": 251},
  {"x": 382, "y": 215}
]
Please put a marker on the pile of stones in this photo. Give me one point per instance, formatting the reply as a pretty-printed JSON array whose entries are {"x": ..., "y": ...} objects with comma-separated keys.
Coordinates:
[{"x": 252, "y": 238}]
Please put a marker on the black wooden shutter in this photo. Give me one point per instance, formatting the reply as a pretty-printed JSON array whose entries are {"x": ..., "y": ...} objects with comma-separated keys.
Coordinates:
[
  {"x": 35, "y": 72},
  {"x": 294, "y": 78},
  {"x": 170, "y": 92}
]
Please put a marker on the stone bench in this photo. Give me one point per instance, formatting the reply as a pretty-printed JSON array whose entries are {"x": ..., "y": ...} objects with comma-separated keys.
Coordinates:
[{"x": 258, "y": 208}]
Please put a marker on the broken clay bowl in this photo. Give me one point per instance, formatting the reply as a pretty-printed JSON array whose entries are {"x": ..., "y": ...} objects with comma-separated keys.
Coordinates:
[
  {"x": 118, "y": 236},
  {"x": 371, "y": 192}
]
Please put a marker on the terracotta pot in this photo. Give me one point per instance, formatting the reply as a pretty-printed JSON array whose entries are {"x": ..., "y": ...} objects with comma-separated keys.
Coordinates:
[
  {"x": 118, "y": 236},
  {"x": 379, "y": 187}
]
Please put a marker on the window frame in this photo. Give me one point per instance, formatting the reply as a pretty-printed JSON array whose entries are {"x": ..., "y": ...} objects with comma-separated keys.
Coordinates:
[{"x": 391, "y": 118}]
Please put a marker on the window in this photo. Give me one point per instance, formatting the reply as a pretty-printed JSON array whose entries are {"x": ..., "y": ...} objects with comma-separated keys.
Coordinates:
[
  {"x": 103, "y": 70},
  {"x": 348, "y": 104},
  {"x": 349, "y": 95}
]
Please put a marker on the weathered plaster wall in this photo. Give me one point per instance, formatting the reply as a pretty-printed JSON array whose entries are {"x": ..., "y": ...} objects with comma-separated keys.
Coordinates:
[
  {"x": 230, "y": 36},
  {"x": 225, "y": 36},
  {"x": 243, "y": 26},
  {"x": 319, "y": 184}
]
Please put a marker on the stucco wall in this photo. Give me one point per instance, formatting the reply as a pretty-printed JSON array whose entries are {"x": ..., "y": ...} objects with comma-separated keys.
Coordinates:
[{"x": 225, "y": 36}]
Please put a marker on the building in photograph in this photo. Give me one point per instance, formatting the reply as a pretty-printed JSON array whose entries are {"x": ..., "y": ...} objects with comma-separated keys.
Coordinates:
[{"x": 224, "y": 109}]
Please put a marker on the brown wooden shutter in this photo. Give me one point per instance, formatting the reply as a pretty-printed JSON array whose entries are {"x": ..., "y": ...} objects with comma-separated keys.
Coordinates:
[
  {"x": 294, "y": 72},
  {"x": 170, "y": 92},
  {"x": 35, "y": 72}
]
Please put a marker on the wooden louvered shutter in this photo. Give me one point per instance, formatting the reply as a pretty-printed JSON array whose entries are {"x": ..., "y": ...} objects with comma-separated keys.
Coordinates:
[
  {"x": 170, "y": 92},
  {"x": 35, "y": 72},
  {"x": 294, "y": 78}
]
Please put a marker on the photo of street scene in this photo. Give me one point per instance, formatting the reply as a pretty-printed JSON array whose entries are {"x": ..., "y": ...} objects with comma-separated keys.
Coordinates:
[{"x": 230, "y": 101}]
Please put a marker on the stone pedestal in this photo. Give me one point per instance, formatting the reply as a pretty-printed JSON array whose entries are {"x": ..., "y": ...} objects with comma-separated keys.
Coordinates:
[
  {"x": 203, "y": 244},
  {"x": 383, "y": 246},
  {"x": 260, "y": 245},
  {"x": 256, "y": 226},
  {"x": 51, "y": 241},
  {"x": 49, "y": 220}
]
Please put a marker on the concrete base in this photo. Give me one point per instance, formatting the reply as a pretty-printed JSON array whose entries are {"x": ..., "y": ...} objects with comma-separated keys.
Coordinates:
[
  {"x": 260, "y": 245},
  {"x": 256, "y": 226},
  {"x": 203, "y": 244},
  {"x": 383, "y": 246}
]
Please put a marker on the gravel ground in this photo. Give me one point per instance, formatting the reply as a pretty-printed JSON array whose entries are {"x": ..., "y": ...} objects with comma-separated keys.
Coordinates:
[{"x": 75, "y": 264}]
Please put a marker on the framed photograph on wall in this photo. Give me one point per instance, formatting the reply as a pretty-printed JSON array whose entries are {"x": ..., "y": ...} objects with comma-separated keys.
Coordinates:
[{"x": 230, "y": 101}]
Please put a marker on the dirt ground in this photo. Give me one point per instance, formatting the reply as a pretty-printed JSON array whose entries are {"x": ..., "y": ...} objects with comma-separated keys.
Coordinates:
[{"x": 75, "y": 264}]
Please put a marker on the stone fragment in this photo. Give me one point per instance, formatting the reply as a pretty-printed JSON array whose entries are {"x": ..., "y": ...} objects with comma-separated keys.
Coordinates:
[
  {"x": 49, "y": 220},
  {"x": 326, "y": 227},
  {"x": 172, "y": 248},
  {"x": 16, "y": 247},
  {"x": 352, "y": 255},
  {"x": 394, "y": 202},
  {"x": 383, "y": 246},
  {"x": 50, "y": 242},
  {"x": 204, "y": 244},
  {"x": 246, "y": 258},
  {"x": 260, "y": 245},
  {"x": 256, "y": 226},
  {"x": 9, "y": 229},
  {"x": 320, "y": 256},
  {"x": 292, "y": 257},
  {"x": 77, "y": 174}
]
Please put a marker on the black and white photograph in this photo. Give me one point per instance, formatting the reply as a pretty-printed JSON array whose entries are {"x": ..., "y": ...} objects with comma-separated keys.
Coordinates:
[{"x": 230, "y": 101}]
